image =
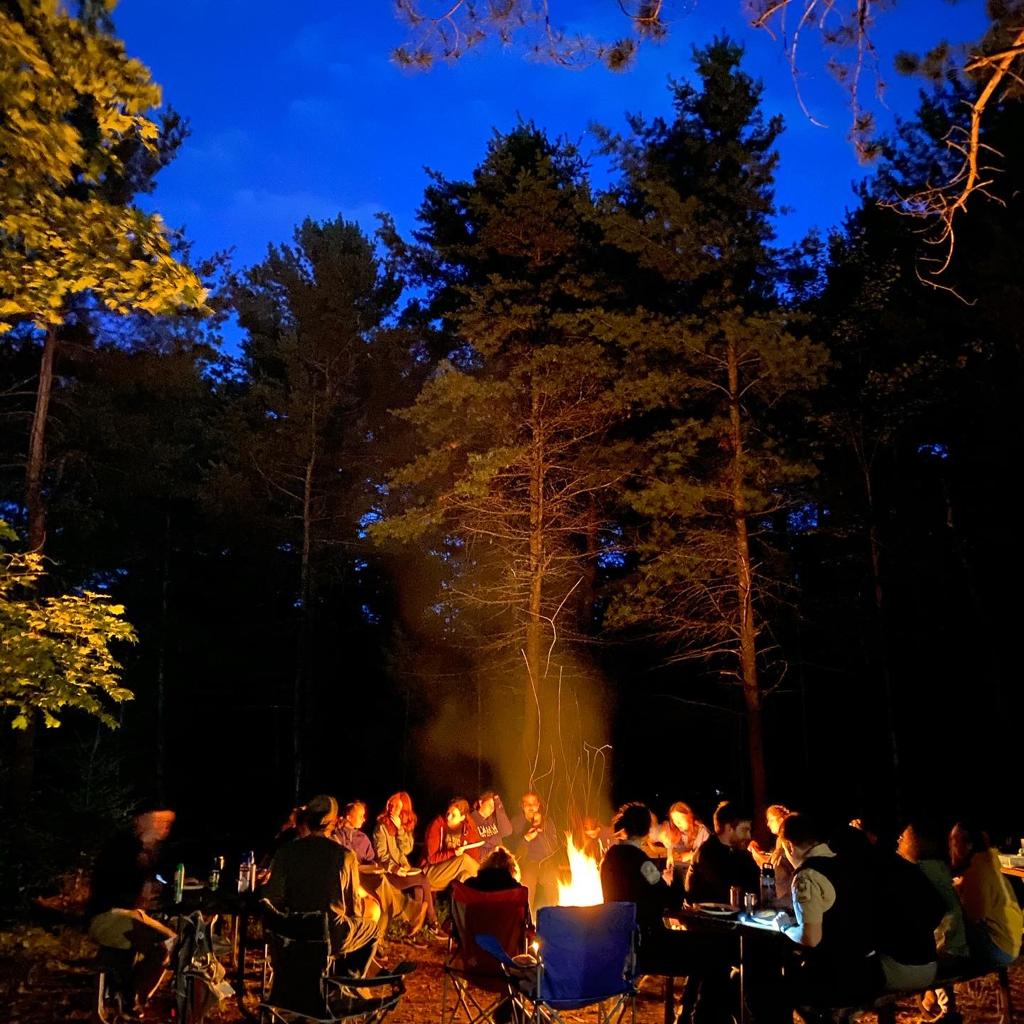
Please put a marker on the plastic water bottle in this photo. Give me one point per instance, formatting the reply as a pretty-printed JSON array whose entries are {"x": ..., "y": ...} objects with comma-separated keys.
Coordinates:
[
  {"x": 244, "y": 874},
  {"x": 179, "y": 882},
  {"x": 767, "y": 884}
]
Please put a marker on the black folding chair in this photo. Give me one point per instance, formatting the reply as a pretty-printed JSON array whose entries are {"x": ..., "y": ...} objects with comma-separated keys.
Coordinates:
[{"x": 301, "y": 988}]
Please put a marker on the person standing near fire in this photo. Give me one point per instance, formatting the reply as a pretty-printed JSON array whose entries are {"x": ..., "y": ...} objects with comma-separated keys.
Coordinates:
[{"x": 534, "y": 841}]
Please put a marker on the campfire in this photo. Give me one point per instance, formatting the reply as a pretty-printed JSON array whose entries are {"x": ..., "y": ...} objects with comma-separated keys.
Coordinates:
[{"x": 584, "y": 886}]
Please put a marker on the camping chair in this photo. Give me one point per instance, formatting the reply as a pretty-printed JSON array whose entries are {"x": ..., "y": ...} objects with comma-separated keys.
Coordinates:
[
  {"x": 477, "y": 980},
  {"x": 585, "y": 958},
  {"x": 301, "y": 988}
]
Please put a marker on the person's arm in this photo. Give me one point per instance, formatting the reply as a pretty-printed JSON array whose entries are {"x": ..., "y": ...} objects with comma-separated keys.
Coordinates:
[
  {"x": 436, "y": 852},
  {"x": 547, "y": 838},
  {"x": 380, "y": 848},
  {"x": 501, "y": 818},
  {"x": 813, "y": 894},
  {"x": 471, "y": 834},
  {"x": 405, "y": 843},
  {"x": 273, "y": 888}
]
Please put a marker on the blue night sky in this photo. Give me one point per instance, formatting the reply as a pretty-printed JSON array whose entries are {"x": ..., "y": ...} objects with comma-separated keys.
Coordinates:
[{"x": 296, "y": 110}]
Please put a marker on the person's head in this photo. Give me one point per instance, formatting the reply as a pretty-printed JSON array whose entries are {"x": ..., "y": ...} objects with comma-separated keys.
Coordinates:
[
  {"x": 531, "y": 806},
  {"x": 774, "y": 817},
  {"x": 965, "y": 840},
  {"x": 355, "y": 814},
  {"x": 921, "y": 840},
  {"x": 320, "y": 814},
  {"x": 153, "y": 822},
  {"x": 682, "y": 818},
  {"x": 799, "y": 834},
  {"x": 732, "y": 824},
  {"x": 458, "y": 811},
  {"x": 485, "y": 803},
  {"x": 400, "y": 804},
  {"x": 633, "y": 820},
  {"x": 501, "y": 859}
]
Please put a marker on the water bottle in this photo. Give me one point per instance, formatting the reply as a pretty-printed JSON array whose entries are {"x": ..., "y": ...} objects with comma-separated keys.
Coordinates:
[
  {"x": 767, "y": 884},
  {"x": 244, "y": 873},
  {"x": 179, "y": 882},
  {"x": 218, "y": 867}
]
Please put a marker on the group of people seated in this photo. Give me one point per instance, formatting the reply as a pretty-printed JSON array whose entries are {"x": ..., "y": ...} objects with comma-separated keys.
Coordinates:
[{"x": 862, "y": 913}]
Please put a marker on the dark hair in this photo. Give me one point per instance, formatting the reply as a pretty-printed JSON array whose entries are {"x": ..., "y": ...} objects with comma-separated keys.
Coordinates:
[
  {"x": 320, "y": 813},
  {"x": 458, "y": 801},
  {"x": 977, "y": 837},
  {"x": 150, "y": 805},
  {"x": 728, "y": 813},
  {"x": 501, "y": 859},
  {"x": 634, "y": 819},
  {"x": 801, "y": 830},
  {"x": 925, "y": 840}
]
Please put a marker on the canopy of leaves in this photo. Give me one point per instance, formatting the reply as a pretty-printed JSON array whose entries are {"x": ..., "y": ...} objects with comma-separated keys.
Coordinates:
[
  {"x": 56, "y": 650},
  {"x": 75, "y": 117}
]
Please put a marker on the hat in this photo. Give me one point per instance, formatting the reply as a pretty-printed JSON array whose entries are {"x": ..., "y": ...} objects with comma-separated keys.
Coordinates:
[{"x": 320, "y": 812}]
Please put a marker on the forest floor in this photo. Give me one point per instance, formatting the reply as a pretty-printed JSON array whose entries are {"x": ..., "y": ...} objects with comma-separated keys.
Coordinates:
[{"x": 47, "y": 975}]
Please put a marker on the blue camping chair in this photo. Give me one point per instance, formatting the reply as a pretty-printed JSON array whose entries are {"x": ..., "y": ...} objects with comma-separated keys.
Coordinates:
[{"x": 585, "y": 958}]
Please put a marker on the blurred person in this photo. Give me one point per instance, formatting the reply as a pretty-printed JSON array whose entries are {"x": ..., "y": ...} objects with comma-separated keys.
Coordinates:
[
  {"x": 451, "y": 847},
  {"x": 316, "y": 873},
  {"x": 681, "y": 834},
  {"x": 775, "y": 857},
  {"x": 922, "y": 844},
  {"x": 536, "y": 845},
  {"x": 491, "y": 821},
  {"x": 124, "y": 887},
  {"x": 723, "y": 860},
  {"x": 991, "y": 912}
]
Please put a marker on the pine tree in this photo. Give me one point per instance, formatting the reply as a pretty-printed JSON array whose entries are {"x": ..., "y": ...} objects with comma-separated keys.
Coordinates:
[
  {"x": 515, "y": 462},
  {"x": 717, "y": 359},
  {"x": 316, "y": 315}
]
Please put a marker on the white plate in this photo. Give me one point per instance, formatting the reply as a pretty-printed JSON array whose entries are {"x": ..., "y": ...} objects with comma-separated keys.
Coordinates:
[{"x": 717, "y": 909}]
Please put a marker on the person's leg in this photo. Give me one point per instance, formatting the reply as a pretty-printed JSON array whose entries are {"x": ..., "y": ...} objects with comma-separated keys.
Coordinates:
[
  {"x": 353, "y": 943},
  {"x": 528, "y": 871},
  {"x": 419, "y": 889},
  {"x": 468, "y": 866},
  {"x": 547, "y": 884},
  {"x": 151, "y": 941}
]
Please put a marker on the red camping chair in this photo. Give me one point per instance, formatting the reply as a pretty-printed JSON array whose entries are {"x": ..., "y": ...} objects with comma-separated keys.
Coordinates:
[{"x": 478, "y": 982}]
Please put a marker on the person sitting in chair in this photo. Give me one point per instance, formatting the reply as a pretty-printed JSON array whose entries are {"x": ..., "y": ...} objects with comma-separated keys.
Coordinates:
[{"x": 316, "y": 874}]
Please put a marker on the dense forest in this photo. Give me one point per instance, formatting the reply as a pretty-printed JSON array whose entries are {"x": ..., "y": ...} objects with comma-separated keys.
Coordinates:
[{"x": 595, "y": 488}]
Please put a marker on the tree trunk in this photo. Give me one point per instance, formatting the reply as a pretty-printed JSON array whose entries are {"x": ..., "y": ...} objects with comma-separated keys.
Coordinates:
[
  {"x": 305, "y": 588},
  {"x": 745, "y": 597},
  {"x": 23, "y": 767},
  {"x": 535, "y": 704},
  {"x": 161, "y": 667},
  {"x": 34, "y": 502},
  {"x": 878, "y": 594}
]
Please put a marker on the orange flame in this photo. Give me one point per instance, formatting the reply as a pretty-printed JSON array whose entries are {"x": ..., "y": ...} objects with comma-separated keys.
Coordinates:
[{"x": 584, "y": 886}]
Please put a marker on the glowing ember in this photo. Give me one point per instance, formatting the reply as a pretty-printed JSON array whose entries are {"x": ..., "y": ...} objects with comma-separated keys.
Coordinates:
[{"x": 584, "y": 886}]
